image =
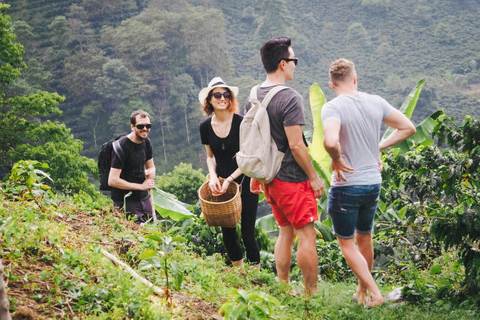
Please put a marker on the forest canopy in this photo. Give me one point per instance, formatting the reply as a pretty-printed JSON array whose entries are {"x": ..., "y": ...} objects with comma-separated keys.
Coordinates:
[{"x": 108, "y": 58}]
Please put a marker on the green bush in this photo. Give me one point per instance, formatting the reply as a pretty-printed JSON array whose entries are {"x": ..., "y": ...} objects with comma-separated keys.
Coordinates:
[{"x": 183, "y": 182}]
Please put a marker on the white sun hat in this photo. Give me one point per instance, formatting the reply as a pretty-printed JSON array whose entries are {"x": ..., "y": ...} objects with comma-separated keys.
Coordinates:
[{"x": 216, "y": 82}]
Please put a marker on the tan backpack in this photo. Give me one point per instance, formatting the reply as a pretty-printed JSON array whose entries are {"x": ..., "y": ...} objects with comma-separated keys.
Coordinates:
[{"x": 259, "y": 157}]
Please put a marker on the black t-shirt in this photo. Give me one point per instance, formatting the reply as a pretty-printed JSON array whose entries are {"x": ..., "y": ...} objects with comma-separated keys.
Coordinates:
[
  {"x": 224, "y": 149},
  {"x": 133, "y": 167}
]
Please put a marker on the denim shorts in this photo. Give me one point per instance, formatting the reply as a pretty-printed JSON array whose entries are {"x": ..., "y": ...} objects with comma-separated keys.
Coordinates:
[{"x": 352, "y": 208}]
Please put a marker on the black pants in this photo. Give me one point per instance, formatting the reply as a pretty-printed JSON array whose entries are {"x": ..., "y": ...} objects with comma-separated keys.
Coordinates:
[
  {"x": 230, "y": 238},
  {"x": 140, "y": 208}
]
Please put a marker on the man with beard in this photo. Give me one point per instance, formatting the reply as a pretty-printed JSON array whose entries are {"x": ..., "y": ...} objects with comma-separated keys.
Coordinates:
[{"x": 132, "y": 169}]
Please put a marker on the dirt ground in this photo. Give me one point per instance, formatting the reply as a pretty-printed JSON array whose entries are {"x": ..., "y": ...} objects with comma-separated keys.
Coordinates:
[{"x": 28, "y": 291}]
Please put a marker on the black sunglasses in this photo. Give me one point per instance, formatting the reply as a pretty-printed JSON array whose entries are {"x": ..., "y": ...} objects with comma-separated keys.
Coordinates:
[
  {"x": 295, "y": 60},
  {"x": 141, "y": 126},
  {"x": 218, "y": 95}
]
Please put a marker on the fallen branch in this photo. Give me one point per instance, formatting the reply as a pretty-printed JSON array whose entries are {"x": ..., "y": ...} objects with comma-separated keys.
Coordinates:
[{"x": 132, "y": 272}]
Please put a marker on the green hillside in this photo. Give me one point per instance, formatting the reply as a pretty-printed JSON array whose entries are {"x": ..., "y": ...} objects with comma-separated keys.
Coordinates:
[{"x": 108, "y": 58}]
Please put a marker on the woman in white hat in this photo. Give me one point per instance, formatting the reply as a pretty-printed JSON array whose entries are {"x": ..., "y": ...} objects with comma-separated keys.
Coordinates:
[{"x": 220, "y": 135}]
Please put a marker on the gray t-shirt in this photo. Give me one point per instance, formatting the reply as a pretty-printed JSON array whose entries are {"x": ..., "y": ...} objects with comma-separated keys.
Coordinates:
[
  {"x": 360, "y": 119},
  {"x": 284, "y": 110}
]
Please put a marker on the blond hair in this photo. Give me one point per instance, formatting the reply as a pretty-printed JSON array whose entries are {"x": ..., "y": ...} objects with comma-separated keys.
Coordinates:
[{"x": 341, "y": 70}]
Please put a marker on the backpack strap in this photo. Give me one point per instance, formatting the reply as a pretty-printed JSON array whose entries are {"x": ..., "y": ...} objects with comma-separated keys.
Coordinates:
[
  {"x": 253, "y": 94},
  {"x": 117, "y": 148},
  {"x": 268, "y": 97},
  {"x": 271, "y": 94}
]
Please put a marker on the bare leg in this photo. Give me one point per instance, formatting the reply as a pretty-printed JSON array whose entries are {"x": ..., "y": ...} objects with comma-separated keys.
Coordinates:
[
  {"x": 359, "y": 265},
  {"x": 365, "y": 246},
  {"x": 283, "y": 252},
  {"x": 307, "y": 257}
]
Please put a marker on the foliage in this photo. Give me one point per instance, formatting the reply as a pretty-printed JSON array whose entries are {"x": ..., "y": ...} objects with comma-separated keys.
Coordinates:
[
  {"x": 55, "y": 262},
  {"x": 437, "y": 192},
  {"x": 249, "y": 305},
  {"x": 183, "y": 182},
  {"x": 168, "y": 244},
  {"x": 168, "y": 206},
  {"x": 28, "y": 175},
  {"x": 331, "y": 262},
  {"x": 35, "y": 139}
]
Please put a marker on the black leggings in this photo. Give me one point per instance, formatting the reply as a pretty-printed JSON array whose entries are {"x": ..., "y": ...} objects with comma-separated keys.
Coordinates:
[{"x": 230, "y": 238}]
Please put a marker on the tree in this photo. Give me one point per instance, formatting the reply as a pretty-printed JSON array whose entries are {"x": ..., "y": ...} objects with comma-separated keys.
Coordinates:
[
  {"x": 443, "y": 34},
  {"x": 276, "y": 21},
  {"x": 23, "y": 132},
  {"x": 183, "y": 96},
  {"x": 358, "y": 34}
]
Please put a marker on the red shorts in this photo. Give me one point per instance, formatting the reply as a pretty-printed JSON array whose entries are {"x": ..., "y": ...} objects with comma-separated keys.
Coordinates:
[{"x": 293, "y": 203}]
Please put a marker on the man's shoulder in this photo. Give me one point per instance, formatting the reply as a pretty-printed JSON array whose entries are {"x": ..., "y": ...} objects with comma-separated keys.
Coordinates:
[{"x": 372, "y": 97}]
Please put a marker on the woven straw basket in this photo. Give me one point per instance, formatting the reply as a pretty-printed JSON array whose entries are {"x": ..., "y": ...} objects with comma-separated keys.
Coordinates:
[{"x": 224, "y": 210}]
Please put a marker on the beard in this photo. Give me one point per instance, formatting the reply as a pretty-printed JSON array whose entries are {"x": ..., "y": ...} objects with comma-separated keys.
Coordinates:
[{"x": 139, "y": 137}]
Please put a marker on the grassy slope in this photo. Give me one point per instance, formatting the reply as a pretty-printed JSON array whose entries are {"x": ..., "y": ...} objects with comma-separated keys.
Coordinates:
[{"x": 55, "y": 270}]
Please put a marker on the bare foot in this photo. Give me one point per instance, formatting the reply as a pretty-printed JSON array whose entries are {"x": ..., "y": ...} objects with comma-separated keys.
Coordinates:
[
  {"x": 374, "y": 301},
  {"x": 361, "y": 295}
]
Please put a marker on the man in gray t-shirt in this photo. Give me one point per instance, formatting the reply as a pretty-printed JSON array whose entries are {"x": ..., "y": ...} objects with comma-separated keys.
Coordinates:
[
  {"x": 351, "y": 127},
  {"x": 292, "y": 194}
]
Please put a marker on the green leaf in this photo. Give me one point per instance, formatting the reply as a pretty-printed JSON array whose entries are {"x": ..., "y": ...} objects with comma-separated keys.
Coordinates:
[
  {"x": 257, "y": 313},
  {"x": 147, "y": 254},
  {"x": 178, "y": 239},
  {"x": 435, "y": 269},
  {"x": 408, "y": 105},
  {"x": 402, "y": 212},
  {"x": 154, "y": 237},
  {"x": 168, "y": 206},
  {"x": 317, "y": 150},
  {"x": 227, "y": 309},
  {"x": 422, "y": 136},
  {"x": 240, "y": 311},
  {"x": 267, "y": 223}
]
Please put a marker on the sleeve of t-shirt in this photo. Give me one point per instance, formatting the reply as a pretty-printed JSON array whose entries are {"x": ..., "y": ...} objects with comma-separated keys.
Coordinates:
[
  {"x": 293, "y": 111},
  {"x": 149, "y": 149},
  {"x": 387, "y": 108},
  {"x": 330, "y": 112},
  {"x": 204, "y": 132}
]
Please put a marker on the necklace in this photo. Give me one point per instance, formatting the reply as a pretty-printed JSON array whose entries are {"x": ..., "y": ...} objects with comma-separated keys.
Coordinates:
[{"x": 222, "y": 128}]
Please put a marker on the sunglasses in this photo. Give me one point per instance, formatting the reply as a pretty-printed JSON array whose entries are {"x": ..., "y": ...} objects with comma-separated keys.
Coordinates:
[
  {"x": 218, "y": 95},
  {"x": 141, "y": 126},
  {"x": 295, "y": 60}
]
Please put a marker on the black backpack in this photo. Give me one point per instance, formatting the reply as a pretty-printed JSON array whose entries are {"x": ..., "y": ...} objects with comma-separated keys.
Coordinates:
[{"x": 105, "y": 160}]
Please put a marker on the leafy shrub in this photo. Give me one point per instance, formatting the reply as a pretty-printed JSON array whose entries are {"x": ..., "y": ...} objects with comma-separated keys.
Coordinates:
[
  {"x": 438, "y": 190},
  {"x": 183, "y": 182}
]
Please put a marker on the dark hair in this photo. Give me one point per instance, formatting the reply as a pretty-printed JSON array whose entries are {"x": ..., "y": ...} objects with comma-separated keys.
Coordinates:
[
  {"x": 273, "y": 51},
  {"x": 232, "y": 102},
  {"x": 141, "y": 113}
]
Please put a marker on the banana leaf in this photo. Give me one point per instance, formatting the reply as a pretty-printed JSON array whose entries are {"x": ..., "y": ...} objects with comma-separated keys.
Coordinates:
[
  {"x": 422, "y": 136},
  {"x": 168, "y": 206},
  {"x": 267, "y": 223},
  {"x": 408, "y": 105},
  {"x": 317, "y": 151}
]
